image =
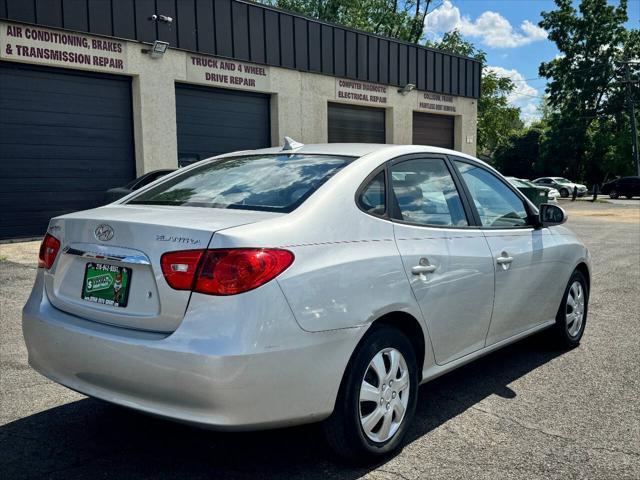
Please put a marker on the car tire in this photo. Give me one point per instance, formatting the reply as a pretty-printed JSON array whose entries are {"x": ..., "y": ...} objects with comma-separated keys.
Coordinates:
[
  {"x": 571, "y": 318},
  {"x": 345, "y": 429},
  {"x": 564, "y": 193},
  {"x": 613, "y": 194}
]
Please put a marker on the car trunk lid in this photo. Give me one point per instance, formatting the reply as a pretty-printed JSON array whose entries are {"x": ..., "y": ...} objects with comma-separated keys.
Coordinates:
[{"x": 118, "y": 248}]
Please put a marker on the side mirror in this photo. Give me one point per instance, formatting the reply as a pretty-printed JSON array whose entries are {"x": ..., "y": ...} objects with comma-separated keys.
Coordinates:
[{"x": 551, "y": 215}]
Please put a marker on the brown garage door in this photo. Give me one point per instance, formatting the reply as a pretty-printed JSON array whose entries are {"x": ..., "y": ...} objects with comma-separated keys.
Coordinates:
[
  {"x": 434, "y": 130},
  {"x": 354, "y": 124}
]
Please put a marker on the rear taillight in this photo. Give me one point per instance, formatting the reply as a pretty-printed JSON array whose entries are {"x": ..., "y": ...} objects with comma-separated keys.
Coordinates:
[
  {"x": 224, "y": 271},
  {"x": 48, "y": 251},
  {"x": 179, "y": 268}
]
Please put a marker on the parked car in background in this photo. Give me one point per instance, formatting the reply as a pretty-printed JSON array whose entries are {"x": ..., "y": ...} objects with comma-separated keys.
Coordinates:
[
  {"x": 117, "y": 193},
  {"x": 564, "y": 186},
  {"x": 538, "y": 195},
  {"x": 626, "y": 186},
  {"x": 307, "y": 283}
]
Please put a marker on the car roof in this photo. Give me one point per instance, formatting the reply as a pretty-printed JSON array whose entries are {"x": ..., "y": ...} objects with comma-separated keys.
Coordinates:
[{"x": 354, "y": 150}]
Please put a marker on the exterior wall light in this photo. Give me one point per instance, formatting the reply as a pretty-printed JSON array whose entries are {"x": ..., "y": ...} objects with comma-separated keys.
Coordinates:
[
  {"x": 157, "y": 50},
  {"x": 409, "y": 87}
]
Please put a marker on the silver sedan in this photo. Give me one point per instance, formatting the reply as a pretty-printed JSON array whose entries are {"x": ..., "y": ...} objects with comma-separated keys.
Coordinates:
[{"x": 300, "y": 284}]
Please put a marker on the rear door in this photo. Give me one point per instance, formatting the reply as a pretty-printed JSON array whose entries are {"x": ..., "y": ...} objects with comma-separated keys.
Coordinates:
[
  {"x": 528, "y": 266},
  {"x": 448, "y": 263}
]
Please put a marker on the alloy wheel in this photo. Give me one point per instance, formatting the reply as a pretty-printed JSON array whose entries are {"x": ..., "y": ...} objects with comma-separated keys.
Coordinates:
[
  {"x": 384, "y": 395},
  {"x": 574, "y": 314}
]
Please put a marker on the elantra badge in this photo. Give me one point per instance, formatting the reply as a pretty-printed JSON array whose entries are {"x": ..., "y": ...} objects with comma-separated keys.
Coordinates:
[{"x": 103, "y": 232}]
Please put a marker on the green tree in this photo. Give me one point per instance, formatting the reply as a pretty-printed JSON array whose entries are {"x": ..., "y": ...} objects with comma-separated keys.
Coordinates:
[
  {"x": 585, "y": 96},
  {"x": 518, "y": 156},
  {"x": 497, "y": 120},
  {"x": 403, "y": 20}
]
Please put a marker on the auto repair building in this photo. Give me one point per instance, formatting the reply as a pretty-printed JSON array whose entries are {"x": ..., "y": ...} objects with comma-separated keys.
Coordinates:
[{"x": 84, "y": 106}]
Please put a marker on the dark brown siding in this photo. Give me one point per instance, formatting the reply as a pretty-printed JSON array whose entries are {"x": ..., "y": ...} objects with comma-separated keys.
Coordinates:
[{"x": 245, "y": 31}]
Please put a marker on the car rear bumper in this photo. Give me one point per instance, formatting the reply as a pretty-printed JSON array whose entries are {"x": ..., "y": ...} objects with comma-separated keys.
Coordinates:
[{"x": 198, "y": 374}]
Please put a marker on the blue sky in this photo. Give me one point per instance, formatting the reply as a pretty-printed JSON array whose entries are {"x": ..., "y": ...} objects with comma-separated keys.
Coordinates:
[{"x": 508, "y": 31}]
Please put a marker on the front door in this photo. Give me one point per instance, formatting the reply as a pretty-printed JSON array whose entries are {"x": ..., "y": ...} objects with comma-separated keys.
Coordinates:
[
  {"x": 527, "y": 266},
  {"x": 448, "y": 263}
]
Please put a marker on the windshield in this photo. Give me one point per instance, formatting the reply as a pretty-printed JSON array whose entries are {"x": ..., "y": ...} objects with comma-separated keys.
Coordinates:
[
  {"x": 562, "y": 180},
  {"x": 275, "y": 183}
]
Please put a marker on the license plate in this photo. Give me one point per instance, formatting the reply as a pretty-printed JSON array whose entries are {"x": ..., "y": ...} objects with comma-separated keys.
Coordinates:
[{"x": 106, "y": 284}]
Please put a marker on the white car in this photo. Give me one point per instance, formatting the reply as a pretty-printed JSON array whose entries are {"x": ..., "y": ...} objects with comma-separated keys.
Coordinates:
[
  {"x": 554, "y": 194},
  {"x": 562, "y": 185},
  {"x": 301, "y": 284}
]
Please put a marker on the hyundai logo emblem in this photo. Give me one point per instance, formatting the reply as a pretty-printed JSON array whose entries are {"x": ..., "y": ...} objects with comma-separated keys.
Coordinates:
[{"x": 104, "y": 232}]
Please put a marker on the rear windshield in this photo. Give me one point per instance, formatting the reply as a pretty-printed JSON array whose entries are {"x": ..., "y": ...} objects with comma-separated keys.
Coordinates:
[{"x": 274, "y": 183}]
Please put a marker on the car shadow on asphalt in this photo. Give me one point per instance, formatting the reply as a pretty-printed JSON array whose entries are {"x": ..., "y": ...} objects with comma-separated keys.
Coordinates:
[{"x": 92, "y": 439}]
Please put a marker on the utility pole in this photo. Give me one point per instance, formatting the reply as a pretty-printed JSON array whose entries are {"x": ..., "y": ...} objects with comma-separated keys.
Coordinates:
[{"x": 634, "y": 128}]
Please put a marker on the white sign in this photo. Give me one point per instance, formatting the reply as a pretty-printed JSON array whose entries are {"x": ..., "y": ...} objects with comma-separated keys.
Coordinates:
[
  {"x": 34, "y": 44},
  {"x": 227, "y": 73},
  {"x": 361, "y": 92},
  {"x": 436, "y": 102}
]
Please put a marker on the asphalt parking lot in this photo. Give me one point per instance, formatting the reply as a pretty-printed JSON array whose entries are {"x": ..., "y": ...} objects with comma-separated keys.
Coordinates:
[{"x": 527, "y": 411}]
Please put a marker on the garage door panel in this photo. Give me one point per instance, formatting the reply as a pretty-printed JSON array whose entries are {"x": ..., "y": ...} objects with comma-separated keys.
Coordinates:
[
  {"x": 212, "y": 121},
  {"x": 237, "y": 130},
  {"x": 59, "y": 185},
  {"x": 65, "y": 138},
  {"x": 52, "y": 117},
  {"x": 433, "y": 130},
  {"x": 70, "y": 103},
  {"x": 62, "y": 82},
  {"x": 354, "y": 124},
  {"x": 78, "y": 153},
  {"x": 63, "y": 135}
]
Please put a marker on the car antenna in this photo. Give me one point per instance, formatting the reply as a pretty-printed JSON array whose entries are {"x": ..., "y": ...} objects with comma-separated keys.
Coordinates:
[{"x": 291, "y": 144}]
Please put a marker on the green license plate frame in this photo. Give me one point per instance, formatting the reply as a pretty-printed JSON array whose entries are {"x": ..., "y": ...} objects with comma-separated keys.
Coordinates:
[{"x": 106, "y": 284}]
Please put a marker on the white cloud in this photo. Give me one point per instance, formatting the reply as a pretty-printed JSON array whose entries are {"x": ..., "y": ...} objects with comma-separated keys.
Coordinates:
[
  {"x": 491, "y": 28},
  {"x": 530, "y": 113},
  {"x": 524, "y": 96}
]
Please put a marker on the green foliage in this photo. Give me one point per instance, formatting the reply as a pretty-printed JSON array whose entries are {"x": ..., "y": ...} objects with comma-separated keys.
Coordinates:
[
  {"x": 585, "y": 123},
  {"x": 403, "y": 20},
  {"x": 518, "y": 155}
]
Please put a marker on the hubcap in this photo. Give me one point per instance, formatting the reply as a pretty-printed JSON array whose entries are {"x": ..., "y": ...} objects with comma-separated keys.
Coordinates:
[
  {"x": 384, "y": 395},
  {"x": 574, "y": 314}
]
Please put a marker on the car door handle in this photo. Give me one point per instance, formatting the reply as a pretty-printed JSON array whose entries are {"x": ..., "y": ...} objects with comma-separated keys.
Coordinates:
[
  {"x": 504, "y": 260},
  {"x": 422, "y": 269}
]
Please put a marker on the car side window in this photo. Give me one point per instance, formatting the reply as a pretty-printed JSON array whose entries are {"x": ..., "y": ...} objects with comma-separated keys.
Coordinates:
[
  {"x": 151, "y": 178},
  {"x": 498, "y": 206},
  {"x": 372, "y": 198},
  {"x": 425, "y": 193}
]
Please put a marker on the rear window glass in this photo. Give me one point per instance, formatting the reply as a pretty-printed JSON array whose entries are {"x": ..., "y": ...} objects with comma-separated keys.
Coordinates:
[{"x": 274, "y": 183}]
